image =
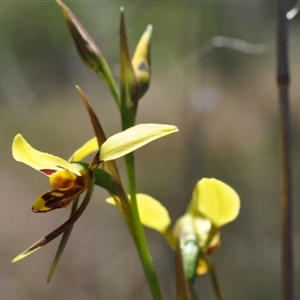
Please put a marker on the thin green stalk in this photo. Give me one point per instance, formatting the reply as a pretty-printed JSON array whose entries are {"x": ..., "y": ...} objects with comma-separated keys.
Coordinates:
[
  {"x": 286, "y": 177},
  {"x": 63, "y": 241},
  {"x": 141, "y": 242},
  {"x": 213, "y": 277},
  {"x": 194, "y": 294}
]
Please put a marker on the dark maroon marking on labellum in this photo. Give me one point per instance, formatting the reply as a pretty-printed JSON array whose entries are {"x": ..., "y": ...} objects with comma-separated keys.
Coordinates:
[{"x": 48, "y": 171}]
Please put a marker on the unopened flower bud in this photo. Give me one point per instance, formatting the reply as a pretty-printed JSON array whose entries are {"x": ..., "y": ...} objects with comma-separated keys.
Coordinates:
[{"x": 141, "y": 61}]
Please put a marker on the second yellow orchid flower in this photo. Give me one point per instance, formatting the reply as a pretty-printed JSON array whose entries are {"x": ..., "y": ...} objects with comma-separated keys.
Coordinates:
[{"x": 213, "y": 205}]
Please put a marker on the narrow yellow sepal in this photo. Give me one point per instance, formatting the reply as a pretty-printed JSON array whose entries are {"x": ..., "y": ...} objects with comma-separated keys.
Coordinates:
[
  {"x": 124, "y": 142},
  {"x": 26, "y": 154},
  {"x": 86, "y": 149},
  {"x": 216, "y": 200},
  {"x": 133, "y": 138},
  {"x": 152, "y": 213}
]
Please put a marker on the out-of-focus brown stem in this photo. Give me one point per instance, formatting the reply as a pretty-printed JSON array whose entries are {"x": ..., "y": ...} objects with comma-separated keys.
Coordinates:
[{"x": 286, "y": 188}]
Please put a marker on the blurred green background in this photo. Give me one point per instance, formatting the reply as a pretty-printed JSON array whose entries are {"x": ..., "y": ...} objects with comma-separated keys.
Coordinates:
[{"x": 225, "y": 104}]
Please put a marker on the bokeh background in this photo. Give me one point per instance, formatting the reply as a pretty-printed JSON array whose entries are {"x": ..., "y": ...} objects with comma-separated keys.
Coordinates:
[{"x": 224, "y": 102}]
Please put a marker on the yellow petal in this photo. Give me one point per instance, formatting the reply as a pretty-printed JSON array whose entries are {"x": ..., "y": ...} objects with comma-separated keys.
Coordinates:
[
  {"x": 152, "y": 213},
  {"x": 133, "y": 138},
  {"x": 85, "y": 150},
  {"x": 40, "y": 161},
  {"x": 216, "y": 200}
]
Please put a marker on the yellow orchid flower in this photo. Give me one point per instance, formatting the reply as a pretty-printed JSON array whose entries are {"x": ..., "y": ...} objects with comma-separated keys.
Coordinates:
[
  {"x": 67, "y": 180},
  {"x": 70, "y": 179},
  {"x": 213, "y": 205}
]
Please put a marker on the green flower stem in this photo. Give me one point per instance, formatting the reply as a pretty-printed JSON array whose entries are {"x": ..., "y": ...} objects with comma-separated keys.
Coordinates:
[
  {"x": 140, "y": 240},
  {"x": 125, "y": 211}
]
